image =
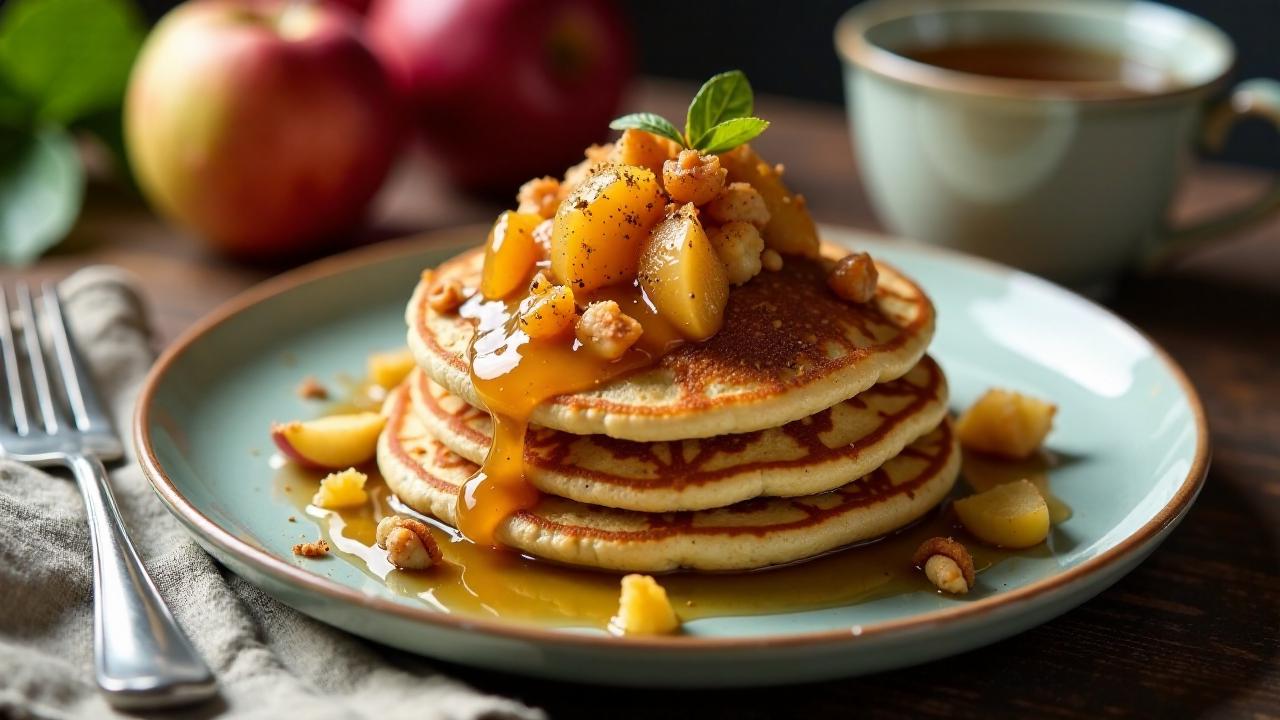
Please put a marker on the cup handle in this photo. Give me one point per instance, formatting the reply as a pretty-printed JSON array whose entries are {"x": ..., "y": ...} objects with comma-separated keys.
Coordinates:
[{"x": 1259, "y": 97}]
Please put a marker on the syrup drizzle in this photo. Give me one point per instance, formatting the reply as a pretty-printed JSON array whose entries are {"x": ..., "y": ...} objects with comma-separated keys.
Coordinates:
[
  {"x": 476, "y": 581},
  {"x": 513, "y": 374}
]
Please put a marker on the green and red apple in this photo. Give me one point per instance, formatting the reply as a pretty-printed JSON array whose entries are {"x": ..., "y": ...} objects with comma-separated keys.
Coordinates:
[{"x": 265, "y": 126}]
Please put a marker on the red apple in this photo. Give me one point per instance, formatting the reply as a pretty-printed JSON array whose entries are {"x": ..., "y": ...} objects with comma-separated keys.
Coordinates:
[
  {"x": 264, "y": 126},
  {"x": 505, "y": 90}
]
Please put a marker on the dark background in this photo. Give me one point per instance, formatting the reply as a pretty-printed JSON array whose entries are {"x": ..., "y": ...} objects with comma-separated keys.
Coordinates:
[{"x": 786, "y": 47}]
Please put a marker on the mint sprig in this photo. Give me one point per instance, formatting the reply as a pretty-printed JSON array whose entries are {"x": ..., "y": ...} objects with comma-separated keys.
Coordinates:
[{"x": 719, "y": 118}]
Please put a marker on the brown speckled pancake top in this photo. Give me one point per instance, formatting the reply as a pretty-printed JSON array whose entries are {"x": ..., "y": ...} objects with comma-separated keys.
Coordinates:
[{"x": 789, "y": 348}]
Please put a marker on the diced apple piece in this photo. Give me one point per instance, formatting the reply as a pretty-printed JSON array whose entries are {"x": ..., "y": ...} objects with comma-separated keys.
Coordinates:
[
  {"x": 549, "y": 310},
  {"x": 637, "y": 147},
  {"x": 509, "y": 254},
  {"x": 600, "y": 227},
  {"x": 643, "y": 608},
  {"x": 683, "y": 276},
  {"x": 1006, "y": 423},
  {"x": 389, "y": 369},
  {"x": 790, "y": 229},
  {"x": 342, "y": 489},
  {"x": 332, "y": 442},
  {"x": 1013, "y": 515}
]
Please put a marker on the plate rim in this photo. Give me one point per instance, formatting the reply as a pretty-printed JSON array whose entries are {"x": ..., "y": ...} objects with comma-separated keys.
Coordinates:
[{"x": 440, "y": 239}]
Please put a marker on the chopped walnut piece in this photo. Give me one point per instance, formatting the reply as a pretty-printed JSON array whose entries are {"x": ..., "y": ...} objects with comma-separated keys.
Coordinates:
[
  {"x": 607, "y": 331},
  {"x": 597, "y": 157},
  {"x": 445, "y": 295},
  {"x": 739, "y": 245},
  {"x": 854, "y": 278},
  {"x": 408, "y": 543},
  {"x": 316, "y": 549},
  {"x": 542, "y": 238},
  {"x": 739, "y": 202},
  {"x": 539, "y": 196},
  {"x": 311, "y": 389},
  {"x": 946, "y": 563},
  {"x": 693, "y": 177},
  {"x": 770, "y": 260}
]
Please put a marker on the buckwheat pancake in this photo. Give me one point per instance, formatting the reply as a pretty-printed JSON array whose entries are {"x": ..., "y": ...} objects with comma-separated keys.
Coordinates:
[
  {"x": 788, "y": 348},
  {"x": 807, "y": 456},
  {"x": 758, "y": 533}
]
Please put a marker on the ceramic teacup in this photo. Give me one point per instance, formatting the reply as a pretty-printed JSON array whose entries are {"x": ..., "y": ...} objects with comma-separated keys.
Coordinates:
[{"x": 1069, "y": 177}]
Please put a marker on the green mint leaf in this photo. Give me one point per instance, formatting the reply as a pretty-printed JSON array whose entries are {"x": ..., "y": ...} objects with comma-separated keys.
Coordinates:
[
  {"x": 41, "y": 185},
  {"x": 726, "y": 96},
  {"x": 649, "y": 122},
  {"x": 730, "y": 134},
  {"x": 69, "y": 58}
]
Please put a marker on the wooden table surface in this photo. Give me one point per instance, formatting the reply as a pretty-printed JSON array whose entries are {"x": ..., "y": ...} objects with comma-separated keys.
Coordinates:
[{"x": 1194, "y": 631}]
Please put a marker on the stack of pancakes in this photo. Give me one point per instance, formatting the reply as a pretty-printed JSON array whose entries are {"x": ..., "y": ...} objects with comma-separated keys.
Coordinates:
[{"x": 807, "y": 423}]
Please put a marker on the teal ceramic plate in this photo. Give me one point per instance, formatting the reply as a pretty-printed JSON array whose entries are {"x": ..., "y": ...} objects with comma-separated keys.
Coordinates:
[{"x": 1129, "y": 421}]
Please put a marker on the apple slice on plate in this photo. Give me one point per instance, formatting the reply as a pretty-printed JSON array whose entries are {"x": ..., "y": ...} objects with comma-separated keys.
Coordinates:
[{"x": 333, "y": 442}]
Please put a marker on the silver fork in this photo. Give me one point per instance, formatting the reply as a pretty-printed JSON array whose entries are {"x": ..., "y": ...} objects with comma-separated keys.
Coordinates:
[{"x": 142, "y": 658}]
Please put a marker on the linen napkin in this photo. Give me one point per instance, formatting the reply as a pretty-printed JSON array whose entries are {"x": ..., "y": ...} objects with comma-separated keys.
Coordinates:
[{"x": 271, "y": 661}]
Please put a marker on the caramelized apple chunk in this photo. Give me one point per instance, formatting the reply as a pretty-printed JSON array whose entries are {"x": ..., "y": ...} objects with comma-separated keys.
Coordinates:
[
  {"x": 1006, "y": 423},
  {"x": 388, "y": 369},
  {"x": 790, "y": 229},
  {"x": 643, "y": 608},
  {"x": 637, "y": 147},
  {"x": 606, "y": 331},
  {"x": 549, "y": 310},
  {"x": 1013, "y": 515},
  {"x": 739, "y": 246},
  {"x": 601, "y": 226},
  {"x": 683, "y": 276},
  {"x": 509, "y": 254},
  {"x": 693, "y": 177}
]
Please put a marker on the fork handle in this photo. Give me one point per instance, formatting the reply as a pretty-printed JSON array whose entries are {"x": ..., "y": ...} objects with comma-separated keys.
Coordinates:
[{"x": 142, "y": 658}]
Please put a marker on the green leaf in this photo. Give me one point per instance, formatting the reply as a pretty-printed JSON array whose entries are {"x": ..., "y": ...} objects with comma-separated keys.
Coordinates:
[
  {"x": 724, "y": 97},
  {"x": 649, "y": 122},
  {"x": 41, "y": 185},
  {"x": 730, "y": 134},
  {"x": 69, "y": 58},
  {"x": 15, "y": 110}
]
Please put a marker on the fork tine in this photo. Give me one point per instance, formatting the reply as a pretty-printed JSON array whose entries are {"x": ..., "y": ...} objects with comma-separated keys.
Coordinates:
[
  {"x": 35, "y": 356},
  {"x": 12, "y": 376},
  {"x": 86, "y": 408}
]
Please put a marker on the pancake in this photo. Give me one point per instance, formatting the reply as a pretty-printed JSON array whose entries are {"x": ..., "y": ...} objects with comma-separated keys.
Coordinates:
[
  {"x": 788, "y": 348},
  {"x": 808, "y": 456},
  {"x": 758, "y": 533}
]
